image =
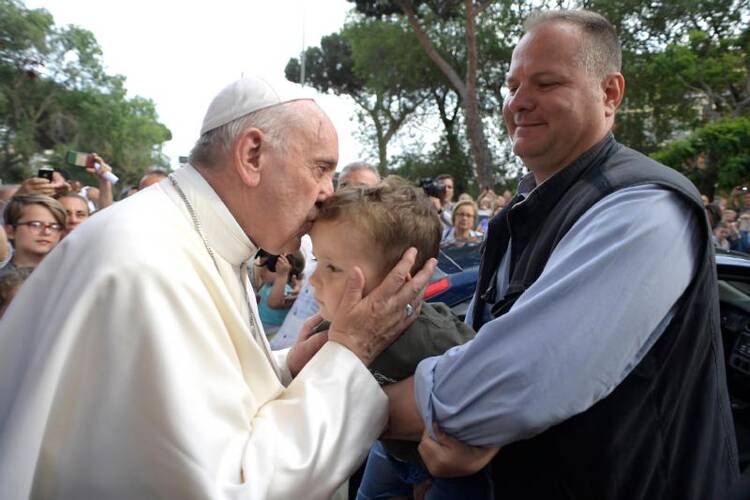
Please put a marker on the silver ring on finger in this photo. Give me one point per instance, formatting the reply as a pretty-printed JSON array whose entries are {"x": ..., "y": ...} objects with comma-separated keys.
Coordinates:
[{"x": 408, "y": 310}]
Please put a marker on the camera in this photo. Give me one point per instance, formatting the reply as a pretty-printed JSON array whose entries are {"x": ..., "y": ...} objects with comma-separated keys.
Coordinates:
[
  {"x": 45, "y": 173},
  {"x": 267, "y": 260},
  {"x": 432, "y": 187}
]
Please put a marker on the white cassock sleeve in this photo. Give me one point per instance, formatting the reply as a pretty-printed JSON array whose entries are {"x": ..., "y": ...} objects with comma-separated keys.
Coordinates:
[{"x": 148, "y": 385}]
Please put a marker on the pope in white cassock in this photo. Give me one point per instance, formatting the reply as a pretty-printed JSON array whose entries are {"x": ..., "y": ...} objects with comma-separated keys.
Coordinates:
[{"x": 133, "y": 364}]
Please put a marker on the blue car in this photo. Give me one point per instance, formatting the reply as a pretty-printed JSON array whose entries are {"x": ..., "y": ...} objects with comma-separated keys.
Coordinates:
[{"x": 456, "y": 277}]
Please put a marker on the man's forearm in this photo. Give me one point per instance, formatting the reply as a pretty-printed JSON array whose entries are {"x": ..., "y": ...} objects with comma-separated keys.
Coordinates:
[
  {"x": 404, "y": 420},
  {"x": 106, "y": 197}
]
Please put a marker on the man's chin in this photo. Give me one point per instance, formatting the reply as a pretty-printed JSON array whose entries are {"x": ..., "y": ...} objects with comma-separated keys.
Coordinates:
[{"x": 289, "y": 246}]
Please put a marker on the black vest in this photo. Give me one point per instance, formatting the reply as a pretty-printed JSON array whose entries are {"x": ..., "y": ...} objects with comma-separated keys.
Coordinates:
[{"x": 666, "y": 431}]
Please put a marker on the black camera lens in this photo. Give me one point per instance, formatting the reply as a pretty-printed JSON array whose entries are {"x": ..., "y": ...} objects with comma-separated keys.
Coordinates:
[
  {"x": 267, "y": 260},
  {"x": 433, "y": 187},
  {"x": 271, "y": 263}
]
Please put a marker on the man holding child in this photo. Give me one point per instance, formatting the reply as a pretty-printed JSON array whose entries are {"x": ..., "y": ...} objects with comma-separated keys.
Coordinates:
[{"x": 597, "y": 368}]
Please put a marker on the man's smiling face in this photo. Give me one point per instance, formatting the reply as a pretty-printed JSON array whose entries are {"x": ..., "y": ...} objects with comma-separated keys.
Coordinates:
[{"x": 555, "y": 109}]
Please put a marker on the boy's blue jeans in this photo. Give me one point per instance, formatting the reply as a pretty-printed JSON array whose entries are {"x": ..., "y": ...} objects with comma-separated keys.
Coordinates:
[{"x": 387, "y": 477}]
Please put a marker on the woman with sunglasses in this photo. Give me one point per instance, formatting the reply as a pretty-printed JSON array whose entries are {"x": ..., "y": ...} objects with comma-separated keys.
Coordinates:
[{"x": 34, "y": 224}]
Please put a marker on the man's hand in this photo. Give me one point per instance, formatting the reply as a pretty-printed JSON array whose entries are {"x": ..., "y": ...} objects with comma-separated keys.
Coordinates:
[
  {"x": 106, "y": 198},
  {"x": 103, "y": 167},
  {"x": 366, "y": 326},
  {"x": 306, "y": 345},
  {"x": 449, "y": 457}
]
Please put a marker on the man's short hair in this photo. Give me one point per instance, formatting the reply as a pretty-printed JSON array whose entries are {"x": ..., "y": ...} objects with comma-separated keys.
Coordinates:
[
  {"x": 443, "y": 177},
  {"x": 395, "y": 214},
  {"x": 275, "y": 123},
  {"x": 155, "y": 171},
  {"x": 77, "y": 196},
  {"x": 600, "y": 50},
  {"x": 14, "y": 208},
  {"x": 357, "y": 166}
]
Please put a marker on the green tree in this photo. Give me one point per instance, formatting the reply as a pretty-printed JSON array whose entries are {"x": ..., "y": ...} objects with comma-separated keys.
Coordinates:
[
  {"x": 345, "y": 64},
  {"x": 685, "y": 64},
  {"x": 55, "y": 95},
  {"x": 715, "y": 155},
  {"x": 416, "y": 12}
]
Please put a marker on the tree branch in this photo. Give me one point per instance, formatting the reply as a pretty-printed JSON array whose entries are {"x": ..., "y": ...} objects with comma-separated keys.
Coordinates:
[{"x": 429, "y": 48}]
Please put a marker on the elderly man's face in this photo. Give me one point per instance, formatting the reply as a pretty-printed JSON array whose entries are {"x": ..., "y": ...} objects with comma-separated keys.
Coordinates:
[
  {"x": 77, "y": 211},
  {"x": 360, "y": 177},
  {"x": 149, "y": 180},
  {"x": 555, "y": 110},
  {"x": 295, "y": 180}
]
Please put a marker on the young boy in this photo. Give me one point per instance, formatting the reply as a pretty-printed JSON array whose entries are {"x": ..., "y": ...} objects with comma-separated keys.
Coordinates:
[
  {"x": 34, "y": 224},
  {"x": 371, "y": 228}
]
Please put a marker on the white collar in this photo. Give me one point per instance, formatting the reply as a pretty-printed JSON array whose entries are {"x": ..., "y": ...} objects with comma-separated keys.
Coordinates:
[{"x": 219, "y": 227}]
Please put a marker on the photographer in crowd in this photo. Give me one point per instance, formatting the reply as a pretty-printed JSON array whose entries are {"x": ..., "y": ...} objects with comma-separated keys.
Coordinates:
[
  {"x": 446, "y": 199},
  {"x": 58, "y": 183},
  {"x": 440, "y": 192},
  {"x": 281, "y": 280}
]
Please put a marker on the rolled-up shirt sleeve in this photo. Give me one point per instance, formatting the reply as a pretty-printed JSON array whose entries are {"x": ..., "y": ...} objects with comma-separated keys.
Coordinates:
[{"x": 608, "y": 291}]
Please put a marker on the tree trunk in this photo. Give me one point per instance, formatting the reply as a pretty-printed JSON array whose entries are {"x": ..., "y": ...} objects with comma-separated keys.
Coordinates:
[
  {"x": 449, "y": 123},
  {"x": 382, "y": 156},
  {"x": 479, "y": 147}
]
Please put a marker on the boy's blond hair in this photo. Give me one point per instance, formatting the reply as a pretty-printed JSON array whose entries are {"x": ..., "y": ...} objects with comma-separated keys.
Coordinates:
[{"x": 395, "y": 214}]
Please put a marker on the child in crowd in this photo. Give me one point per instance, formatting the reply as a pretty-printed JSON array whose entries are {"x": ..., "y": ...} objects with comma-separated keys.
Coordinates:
[
  {"x": 34, "y": 224},
  {"x": 371, "y": 228},
  {"x": 10, "y": 281},
  {"x": 281, "y": 277}
]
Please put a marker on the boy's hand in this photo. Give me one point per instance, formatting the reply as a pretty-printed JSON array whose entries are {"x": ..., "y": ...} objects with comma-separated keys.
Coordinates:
[
  {"x": 306, "y": 345},
  {"x": 367, "y": 325},
  {"x": 449, "y": 457}
]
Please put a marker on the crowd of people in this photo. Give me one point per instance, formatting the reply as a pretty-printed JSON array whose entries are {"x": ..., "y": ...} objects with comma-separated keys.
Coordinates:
[
  {"x": 589, "y": 365},
  {"x": 39, "y": 212},
  {"x": 730, "y": 219}
]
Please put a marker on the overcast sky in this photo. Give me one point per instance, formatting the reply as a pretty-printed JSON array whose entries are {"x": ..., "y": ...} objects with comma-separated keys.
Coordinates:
[{"x": 180, "y": 54}]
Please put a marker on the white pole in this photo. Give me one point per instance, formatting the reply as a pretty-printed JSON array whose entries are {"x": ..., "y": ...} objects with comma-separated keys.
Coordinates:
[{"x": 302, "y": 56}]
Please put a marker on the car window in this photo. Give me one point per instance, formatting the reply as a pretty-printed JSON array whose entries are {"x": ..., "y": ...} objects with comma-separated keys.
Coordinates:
[
  {"x": 463, "y": 256},
  {"x": 735, "y": 293}
]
